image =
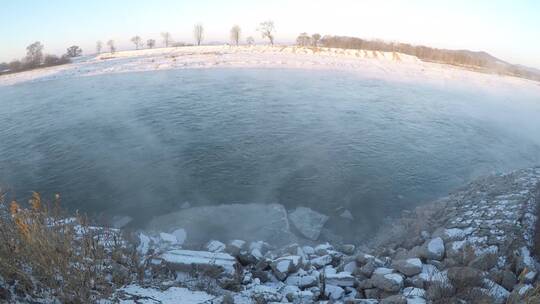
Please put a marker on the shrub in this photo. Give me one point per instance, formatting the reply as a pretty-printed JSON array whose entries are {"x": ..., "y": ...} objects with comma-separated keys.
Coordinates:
[{"x": 44, "y": 252}]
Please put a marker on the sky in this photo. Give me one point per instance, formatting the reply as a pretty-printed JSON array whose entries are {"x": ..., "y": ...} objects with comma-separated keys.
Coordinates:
[{"x": 507, "y": 29}]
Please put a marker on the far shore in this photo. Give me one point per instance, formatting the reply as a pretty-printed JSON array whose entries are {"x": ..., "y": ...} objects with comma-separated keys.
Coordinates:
[{"x": 370, "y": 64}]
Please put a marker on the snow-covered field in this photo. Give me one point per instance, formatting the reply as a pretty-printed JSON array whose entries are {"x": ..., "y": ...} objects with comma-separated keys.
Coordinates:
[{"x": 390, "y": 66}]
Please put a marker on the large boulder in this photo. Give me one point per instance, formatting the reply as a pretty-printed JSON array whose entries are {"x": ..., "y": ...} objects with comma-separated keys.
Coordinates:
[
  {"x": 433, "y": 249},
  {"x": 391, "y": 282},
  {"x": 250, "y": 222},
  {"x": 408, "y": 267},
  {"x": 308, "y": 222},
  {"x": 204, "y": 261},
  {"x": 285, "y": 265},
  {"x": 465, "y": 277}
]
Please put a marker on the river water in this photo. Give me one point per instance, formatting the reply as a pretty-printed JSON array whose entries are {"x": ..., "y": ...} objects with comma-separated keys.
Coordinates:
[{"x": 144, "y": 144}]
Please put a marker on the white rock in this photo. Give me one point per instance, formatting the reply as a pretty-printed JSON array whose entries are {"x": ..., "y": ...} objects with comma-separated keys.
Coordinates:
[
  {"x": 144, "y": 244},
  {"x": 434, "y": 249},
  {"x": 215, "y": 246},
  {"x": 185, "y": 260},
  {"x": 168, "y": 237},
  {"x": 408, "y": 267},
  {"x": 391, "y": 282},
  {"x": 302, "y": 281},
  {"x": 321, "y": 261},
  {"x": 180, "y": 235},
  {"x": 383, "y": 270},
  {"x": 334, "y": 292},
  {"x": 308, "y": 222},
  {"x": 168, "y": 296},
  {"x": 342, "y": 279}
]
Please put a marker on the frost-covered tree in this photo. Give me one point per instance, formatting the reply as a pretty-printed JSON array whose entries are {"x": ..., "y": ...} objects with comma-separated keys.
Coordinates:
[
  {"x": 198, "y": 33},
  {"x": 74, "y": 51},
  {"x": 34, "y": 54},
  {"x": 166, "y": 36},
  {"x": 137, "y": 41},
  {"x": 150, "y": 43},
  {"x": 267, "y": 30},
  {"x": 99, "y": 46},
  {"x": 236, "y": 32},
  {"x": 112, "y": 48},
  {"x": 303, "y": 40},
  {"x": 315, "y": 39}
]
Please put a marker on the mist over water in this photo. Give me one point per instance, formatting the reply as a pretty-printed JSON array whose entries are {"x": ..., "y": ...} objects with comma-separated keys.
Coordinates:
[{"x": 143, "y": 144}]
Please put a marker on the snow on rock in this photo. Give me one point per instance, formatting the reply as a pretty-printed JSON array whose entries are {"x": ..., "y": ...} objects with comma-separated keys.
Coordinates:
[
  {"x": 308, "y": 222},
  {"x": 334, "y": 292},
  {"x": 285, "y": 265},
  {"x": 185, "y": 260},
  {"x": 215, "y": 246},
  {"x": 180, "y": 235},
  {"x": 302, "y": 281},
  {"x": 138, "y": 294},
  {"x": 342, "y": 279},
  {"x": 144, "y": 244},
  {"x": 433, "y": 249},
  {"x": 391, "y": 282},
  {"x": 408, "y": 267},
  {"x": 167, "y": 237}
]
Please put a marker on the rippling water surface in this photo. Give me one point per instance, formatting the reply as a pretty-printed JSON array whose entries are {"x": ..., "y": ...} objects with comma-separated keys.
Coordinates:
[{"x": 145, "y": 143}]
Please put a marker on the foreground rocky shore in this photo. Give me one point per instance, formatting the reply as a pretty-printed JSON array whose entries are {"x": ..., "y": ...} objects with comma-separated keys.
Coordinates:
[{"x": 474, "y": 246}]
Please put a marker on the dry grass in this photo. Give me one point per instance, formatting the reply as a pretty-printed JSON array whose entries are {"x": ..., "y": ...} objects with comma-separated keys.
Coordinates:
[{"x": 42, "y": 251}]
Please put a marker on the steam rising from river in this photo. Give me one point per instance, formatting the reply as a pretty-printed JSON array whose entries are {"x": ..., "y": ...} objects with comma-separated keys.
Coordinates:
[{"x": 144, "y": 144}]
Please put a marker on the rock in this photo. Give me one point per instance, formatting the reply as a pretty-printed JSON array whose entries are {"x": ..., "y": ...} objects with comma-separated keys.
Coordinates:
[
  {"x": 144, "y": 244},
  {"x": 308, "y": 222},
  {"x": 496, "y": 291},
  {"x": 321, "y": 261},
  {"x": 302, "y": 281},
  {"x": 168, "y": 238},
  {"x": 342, "y": 279},
  {"x": 520, "y": 292},
  {"x": 229, "y": 222},
  {"x": 409, "y": 267},
  {"x": 346, "y": 214},
  {"x": 465, "y": 277},
  {"x": 391, "y": 282},
  {"x": 334, "y": 292},
  {"x": 361, "y": 301},
  {"x": 301, "y": 296},
  {"x": 348, "y": 249},
  {"x": 383, "y": 270},
  {"x": 508, "y": 279},
  {"x": 234, "y": 247},
  {"x": 363, "y": 259},
  {"x": 215, "y": 246},
  {"x": 485, "y": 261},
  {"x": 323, "y": 249},
  {"x": 185, "y": 260},
  {"x": 395, "y": 299},
  {"x": 285, "y": 265},
  {"x": 368, "y": 269},
  {"x": 433, "y": 249},
  {"x": 180, "y": 235},
  {"x": 372, "y": 293}
]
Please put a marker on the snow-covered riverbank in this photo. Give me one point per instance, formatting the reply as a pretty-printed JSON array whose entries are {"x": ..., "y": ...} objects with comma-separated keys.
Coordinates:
[{"x": 390, "y": 66}]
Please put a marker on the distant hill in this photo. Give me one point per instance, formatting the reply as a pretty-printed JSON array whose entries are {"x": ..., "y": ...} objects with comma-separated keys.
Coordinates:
[{"x": 478, "y": 61}]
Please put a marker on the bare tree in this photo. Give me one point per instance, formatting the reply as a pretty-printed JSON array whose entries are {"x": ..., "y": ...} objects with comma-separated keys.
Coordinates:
[
  {"x": 250, "y": 40},
  {"x": 137, "y": 41},
  {"x": 198, "y": 33},
  {"x": 303, "y": 40},
  {"x": 166, "y": 38},
  {"x": 99, "y": 46},
  {"x": 34, "y": 54},
  {"x": 236, "y": 32},
  {"x": 74, "y": 51},
  {"x": 315, "y": 39},
  {"x": 267, "y": 30},
  {"x": 150, "y": 43},
  {"x": 110, "y": 43}
]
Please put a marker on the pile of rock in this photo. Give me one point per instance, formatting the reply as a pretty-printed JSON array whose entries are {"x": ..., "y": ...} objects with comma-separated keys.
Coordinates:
[{"x": 479, "y": 251}]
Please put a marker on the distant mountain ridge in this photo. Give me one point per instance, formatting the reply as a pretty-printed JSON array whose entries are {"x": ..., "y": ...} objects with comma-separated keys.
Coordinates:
[{"x": 476, "y": 60}]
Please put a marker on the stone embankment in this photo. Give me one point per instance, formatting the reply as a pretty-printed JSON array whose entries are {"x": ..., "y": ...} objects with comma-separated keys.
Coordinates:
[{"x": 474, "y": 246}]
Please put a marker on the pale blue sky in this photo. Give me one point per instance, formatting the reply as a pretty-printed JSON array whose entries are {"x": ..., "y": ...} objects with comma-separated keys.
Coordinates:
[{"x": 507, "y": 29}]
